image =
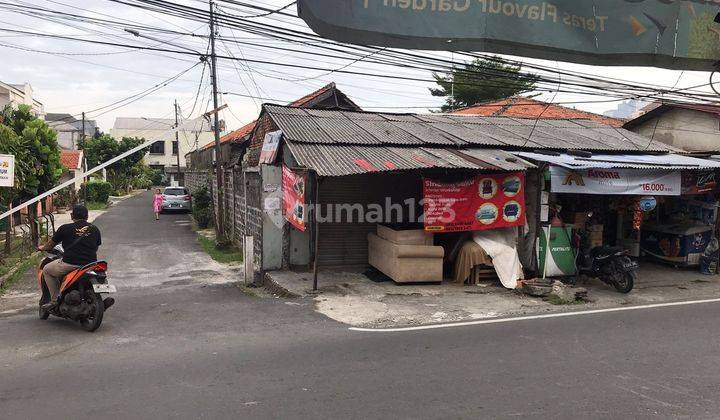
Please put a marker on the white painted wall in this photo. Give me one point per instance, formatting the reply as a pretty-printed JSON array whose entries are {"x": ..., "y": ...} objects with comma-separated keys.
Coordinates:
[
  {"x": 168, "y": 159},
  {"x": 684, "y": 128},
  {"x": 15, "y": 95}
]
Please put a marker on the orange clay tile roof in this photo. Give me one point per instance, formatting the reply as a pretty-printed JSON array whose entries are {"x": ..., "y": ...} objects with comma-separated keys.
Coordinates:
[
  {"x": 71, "y": 159},
  {"x": 247, "y": 129},
  {"x": 520, "y": 107}
]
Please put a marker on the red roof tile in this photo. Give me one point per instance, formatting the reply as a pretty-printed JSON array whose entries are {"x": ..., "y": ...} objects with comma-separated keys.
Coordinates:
[
  {"x": 71, "y": 159},
  {"x": 520, "y": 107},
  {"x": 308, "y": 98}
]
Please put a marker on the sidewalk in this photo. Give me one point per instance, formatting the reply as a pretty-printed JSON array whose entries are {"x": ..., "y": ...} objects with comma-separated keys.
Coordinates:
[{"x": 354, "y": 299}]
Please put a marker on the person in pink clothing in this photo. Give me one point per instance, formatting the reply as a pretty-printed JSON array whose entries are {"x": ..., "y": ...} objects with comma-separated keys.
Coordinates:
[{"x": 157, "y": 203}]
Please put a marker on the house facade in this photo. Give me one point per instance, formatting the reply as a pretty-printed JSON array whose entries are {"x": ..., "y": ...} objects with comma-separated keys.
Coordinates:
[
  {"x": 164, "y": 153},
  {"x": 72, "y": 162},
  {"x": 691, "y": 127},
  {"x": 70, "y": 129},
  {"x": 20, "y": 94}
]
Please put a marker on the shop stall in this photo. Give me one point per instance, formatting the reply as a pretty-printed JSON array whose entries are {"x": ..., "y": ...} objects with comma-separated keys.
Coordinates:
[{"x": 659, "y": 207}]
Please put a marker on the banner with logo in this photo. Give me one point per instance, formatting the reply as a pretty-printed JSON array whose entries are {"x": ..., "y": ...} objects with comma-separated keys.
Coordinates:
[
  {"x": 7, "y": 171},
  {"x": 294, "y": 184},
  {"x": 480, "y": 203},
  {"x": 678, "y": 34},
  {"x": 615, "y": 181},
  {"x": 694, "y": 183}
]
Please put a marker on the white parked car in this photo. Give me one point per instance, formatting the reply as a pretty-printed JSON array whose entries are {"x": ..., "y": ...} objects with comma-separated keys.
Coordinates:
[{"x": 176, "y": 198}]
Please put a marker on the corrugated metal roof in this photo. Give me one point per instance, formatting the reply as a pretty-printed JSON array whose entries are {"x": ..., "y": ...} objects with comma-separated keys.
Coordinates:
[
  {"x": 344, "y": 127},
  {"x": 341, "y": 160},
  {"x": 668, "y": 161}
]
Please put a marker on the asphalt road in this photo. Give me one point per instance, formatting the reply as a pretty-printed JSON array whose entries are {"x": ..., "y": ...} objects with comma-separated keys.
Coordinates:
[{"x": 193, "y": 350}]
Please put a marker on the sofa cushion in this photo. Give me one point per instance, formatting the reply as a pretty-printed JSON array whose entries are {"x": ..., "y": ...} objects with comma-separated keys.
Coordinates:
[{"x": 405, "y": 237}]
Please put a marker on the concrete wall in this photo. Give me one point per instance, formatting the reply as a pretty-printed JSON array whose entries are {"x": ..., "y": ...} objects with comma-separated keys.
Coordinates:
[
  {"x": 243, "y": 217},
  {"x": 684, "y": 128},
  {"x": 194, "y": 180}
]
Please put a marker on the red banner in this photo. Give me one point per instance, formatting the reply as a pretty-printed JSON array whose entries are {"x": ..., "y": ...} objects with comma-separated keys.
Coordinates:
[
  {"x": 481, "y": 203},
  {"x": 294, "y": 197}
]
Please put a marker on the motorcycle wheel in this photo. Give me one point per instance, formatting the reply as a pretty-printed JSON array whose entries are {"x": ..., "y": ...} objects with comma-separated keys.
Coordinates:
[
  {"x": 92, "y": 323},
  {"x": 625, "y": 281}
]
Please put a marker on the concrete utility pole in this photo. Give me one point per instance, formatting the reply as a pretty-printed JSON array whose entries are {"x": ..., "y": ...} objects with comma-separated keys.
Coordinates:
[
  {"x": 82, "y": 138},
  {"x": 177, "y": 142},
  {"x": 220, "y": 225}
]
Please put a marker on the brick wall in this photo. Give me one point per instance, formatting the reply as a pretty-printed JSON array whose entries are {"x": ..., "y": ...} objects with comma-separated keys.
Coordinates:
[{"x": 264, "y": 126}]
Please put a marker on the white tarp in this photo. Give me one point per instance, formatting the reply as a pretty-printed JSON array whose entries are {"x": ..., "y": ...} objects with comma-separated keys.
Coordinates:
[
  {"x": 615, "y": 181},
  {"x": 501, "y": 246},
  {"x": 659, "y": 162}
]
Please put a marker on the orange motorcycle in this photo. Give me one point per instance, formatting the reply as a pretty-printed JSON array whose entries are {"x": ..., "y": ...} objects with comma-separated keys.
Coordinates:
[{"x": 81, "y": 293}]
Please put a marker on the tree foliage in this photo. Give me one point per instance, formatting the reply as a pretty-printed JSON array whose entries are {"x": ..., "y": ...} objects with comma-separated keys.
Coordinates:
[
  {"x": 103, "y": 148},
  {"x": 34, "y": 144},
  {"x": 481, "y": 81}
]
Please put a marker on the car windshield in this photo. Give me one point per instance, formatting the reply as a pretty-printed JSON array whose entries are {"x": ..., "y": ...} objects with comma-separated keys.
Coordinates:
[{"x": 175, "y": 191}]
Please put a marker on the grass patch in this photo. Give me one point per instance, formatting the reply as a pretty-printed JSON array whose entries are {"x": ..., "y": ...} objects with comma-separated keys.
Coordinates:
[
  {"x": 94, "y": 205},
  {"x": 248, "y": 291},
  {"x": 554, "y": 300},
  {"x": 223, "y": 254},
  {"x": 22, "y": 268}
]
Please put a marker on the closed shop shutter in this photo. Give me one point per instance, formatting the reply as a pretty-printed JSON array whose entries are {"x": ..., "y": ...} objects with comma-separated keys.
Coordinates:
[{"x": 343, "y": 244}]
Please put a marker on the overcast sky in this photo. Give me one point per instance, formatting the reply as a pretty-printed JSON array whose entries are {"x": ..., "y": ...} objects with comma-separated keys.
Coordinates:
[{"x": 101, "y": 75}]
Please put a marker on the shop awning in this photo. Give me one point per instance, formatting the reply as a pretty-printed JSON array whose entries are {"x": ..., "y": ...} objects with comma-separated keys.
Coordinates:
[
  {"x": 658, "y": 162},
  {"x": 339, "y": 160}
]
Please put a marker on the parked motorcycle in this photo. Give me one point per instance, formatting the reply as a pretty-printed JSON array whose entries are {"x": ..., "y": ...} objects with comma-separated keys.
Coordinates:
[
  {"x": 612, "y": 265},
  {"x": 81, "y": 293}
]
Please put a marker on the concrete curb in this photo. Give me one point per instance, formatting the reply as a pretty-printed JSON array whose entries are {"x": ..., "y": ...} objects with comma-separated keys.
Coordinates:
[{"x": 275, "y": 288}]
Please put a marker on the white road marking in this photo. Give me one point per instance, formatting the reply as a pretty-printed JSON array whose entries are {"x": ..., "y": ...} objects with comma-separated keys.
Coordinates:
[{"x": 533, "y": 317}]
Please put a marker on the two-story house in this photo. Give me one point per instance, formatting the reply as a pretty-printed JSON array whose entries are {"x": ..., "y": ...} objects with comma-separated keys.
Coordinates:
[
  {"x": 163, "y": 154},
  {"x": 16, "y": 94}
]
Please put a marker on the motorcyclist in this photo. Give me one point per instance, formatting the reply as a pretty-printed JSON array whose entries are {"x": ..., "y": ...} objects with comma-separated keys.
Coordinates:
[{"x": 80, "y": 241}]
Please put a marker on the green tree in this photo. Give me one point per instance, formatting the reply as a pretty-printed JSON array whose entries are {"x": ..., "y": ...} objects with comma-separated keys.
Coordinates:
[
  {"x": 103, "y": 148},
  {"x": 481, "y": 81},
  {"x": 38, "y": 156},
  {"x": 11, "y": 144}
]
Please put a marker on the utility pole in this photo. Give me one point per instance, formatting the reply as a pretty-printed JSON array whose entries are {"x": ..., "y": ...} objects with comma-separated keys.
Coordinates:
[
  {"x": 82, "y": 138},
  {"x": 177, "y": 142},
  {"x": 220, "y": 225}
]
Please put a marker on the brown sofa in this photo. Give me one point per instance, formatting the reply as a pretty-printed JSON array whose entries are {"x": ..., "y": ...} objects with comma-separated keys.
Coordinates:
[{"x": 406, "y": 256}]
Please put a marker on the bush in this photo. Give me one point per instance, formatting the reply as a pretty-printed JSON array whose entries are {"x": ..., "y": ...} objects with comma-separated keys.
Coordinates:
[
  {"x": 202, "y": 208},
  {"x": 65, "y": 198},
  {"x": 156, "y": 177},
  {"x": 97, "y": 191}
]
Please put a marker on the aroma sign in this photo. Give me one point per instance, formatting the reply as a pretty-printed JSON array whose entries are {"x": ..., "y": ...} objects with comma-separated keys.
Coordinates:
[{"x": 615, "y": 181}]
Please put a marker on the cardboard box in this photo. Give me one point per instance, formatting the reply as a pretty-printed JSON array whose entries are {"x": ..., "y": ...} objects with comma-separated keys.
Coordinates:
[{"x": 596, "y": 238}]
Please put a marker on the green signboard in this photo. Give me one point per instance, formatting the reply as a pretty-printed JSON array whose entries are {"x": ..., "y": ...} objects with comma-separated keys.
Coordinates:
[{"x": 678, "y": 34}]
